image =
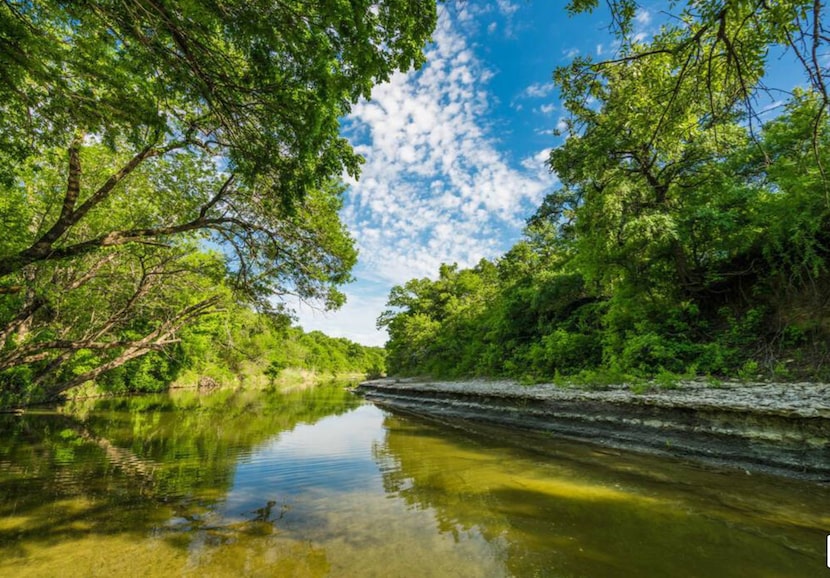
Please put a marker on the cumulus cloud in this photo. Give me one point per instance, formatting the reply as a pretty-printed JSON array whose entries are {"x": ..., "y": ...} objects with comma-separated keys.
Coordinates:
[
  {"x": 538, "y": 90},
  {"x": 435, "y": 187},
  {"x": 643, "y": 28},
  {"x": 547, "y": 108},
  {"x": 507, "y": 8}
]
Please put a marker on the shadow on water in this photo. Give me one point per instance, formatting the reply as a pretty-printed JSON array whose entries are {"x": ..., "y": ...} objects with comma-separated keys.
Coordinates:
[
  {"x": 556, "y": 508},
  {"x": 125, "y": 468}
]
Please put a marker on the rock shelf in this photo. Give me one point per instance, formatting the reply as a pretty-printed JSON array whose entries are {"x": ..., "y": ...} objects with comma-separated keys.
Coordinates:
[{"x": 779, "y": 428}]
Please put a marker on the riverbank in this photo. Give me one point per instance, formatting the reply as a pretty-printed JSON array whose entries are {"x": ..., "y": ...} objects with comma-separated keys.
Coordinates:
[
  {"x": 251, "y": 379},
  {"x": 776, "y": 428}
]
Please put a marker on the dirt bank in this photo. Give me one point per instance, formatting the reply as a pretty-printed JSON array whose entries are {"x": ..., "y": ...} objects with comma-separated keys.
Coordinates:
[{"x": 775, "y": 428}]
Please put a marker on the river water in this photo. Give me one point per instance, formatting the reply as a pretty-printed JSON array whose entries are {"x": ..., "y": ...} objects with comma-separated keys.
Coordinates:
[{"x": 320, "y": 483}]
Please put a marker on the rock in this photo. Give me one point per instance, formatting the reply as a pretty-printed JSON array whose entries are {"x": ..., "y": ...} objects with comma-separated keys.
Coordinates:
[
  {"x": 207, "y": 383},
  {"x": 775, "y": 428}
]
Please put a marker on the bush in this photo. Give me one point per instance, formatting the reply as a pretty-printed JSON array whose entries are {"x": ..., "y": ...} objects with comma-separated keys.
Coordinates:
[
  {"x": 273, "y": 371},
  {"x": 375, "y": 372}
]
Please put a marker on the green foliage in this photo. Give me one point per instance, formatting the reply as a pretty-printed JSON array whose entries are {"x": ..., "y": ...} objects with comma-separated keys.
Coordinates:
[
  {"x": 151, "y": 373},
  {"x": 375, "y": 372},
  {"x": 267, "y": 80},
  {"x": 161, "y": 163},
  {"x": 273, "y": 370},
  {"x": 686, "y": 236},
  {"x": 16, "y": 387},
  {"x": 749, "y": 370},
  {"x": 240, "y": 344}
]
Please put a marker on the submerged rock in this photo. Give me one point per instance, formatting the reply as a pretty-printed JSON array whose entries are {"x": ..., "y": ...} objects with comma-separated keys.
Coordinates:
[{"x": 775, "y": 428}]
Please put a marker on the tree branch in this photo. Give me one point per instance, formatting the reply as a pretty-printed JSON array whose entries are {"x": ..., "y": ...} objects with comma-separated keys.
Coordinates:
[
  {"x": 152, "y": 341},
  {"x": 42, "y": 249}
]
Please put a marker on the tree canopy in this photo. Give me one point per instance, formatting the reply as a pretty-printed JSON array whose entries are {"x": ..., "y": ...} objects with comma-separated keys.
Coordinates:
[
  {"x": 689, "y": 231},
  {"x": 160, "y": 159}
]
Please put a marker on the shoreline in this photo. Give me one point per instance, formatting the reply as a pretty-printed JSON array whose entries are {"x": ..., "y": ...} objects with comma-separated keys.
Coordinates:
[{"x": 776, "y": 428}]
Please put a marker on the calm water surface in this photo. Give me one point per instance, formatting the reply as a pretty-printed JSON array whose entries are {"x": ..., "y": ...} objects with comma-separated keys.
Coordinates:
[{"x": 319, "y": 483}]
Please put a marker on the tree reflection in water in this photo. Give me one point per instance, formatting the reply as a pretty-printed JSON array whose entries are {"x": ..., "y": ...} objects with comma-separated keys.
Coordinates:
[
  {"x": 248, "y": 483},
  {"x": 121, "y": 469},
  {"x": 556, "y": 508}
]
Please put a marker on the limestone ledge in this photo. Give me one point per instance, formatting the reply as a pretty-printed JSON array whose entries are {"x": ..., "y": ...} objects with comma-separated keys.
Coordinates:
[{"x": 779, "y": 428}]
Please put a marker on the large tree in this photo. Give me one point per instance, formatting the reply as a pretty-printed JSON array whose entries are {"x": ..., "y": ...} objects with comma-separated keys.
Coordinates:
[
  {"x": 691, "y": 226},
  {"x": 259, "y": 86},
  {"x": 133, "y": 133},
  {"x": 680, "y": 191}
]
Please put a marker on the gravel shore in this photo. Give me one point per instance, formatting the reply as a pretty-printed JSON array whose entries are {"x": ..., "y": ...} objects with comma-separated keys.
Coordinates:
[{"x": 794, "y": 399}]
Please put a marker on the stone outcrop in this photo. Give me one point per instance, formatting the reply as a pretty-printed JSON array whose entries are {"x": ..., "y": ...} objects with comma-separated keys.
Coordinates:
[{"x": 774, "y": 428}]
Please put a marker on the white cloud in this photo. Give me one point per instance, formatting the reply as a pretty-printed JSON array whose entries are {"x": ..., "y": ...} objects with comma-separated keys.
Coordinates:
[
  {"x": 642, "y": 29},
  {"x": 507, "y": 8},
  {"x": 571, "y": 53},
  {"x": 438, "y": 185},
  {"x": 435, "y": 187},
  {"x": 538, "y": 90},
  {"x": 771, "y": 109},
  {"x": 547, "y": 108},
  {"x": 538, "y": 163}
]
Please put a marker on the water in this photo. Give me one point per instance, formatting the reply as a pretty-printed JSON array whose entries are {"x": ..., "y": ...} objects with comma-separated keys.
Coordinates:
[{"x": 319, "y": 483}]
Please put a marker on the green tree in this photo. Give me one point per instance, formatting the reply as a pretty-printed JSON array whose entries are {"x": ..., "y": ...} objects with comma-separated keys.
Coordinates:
[
  {"x": 687, "y": 233},
  {"x": 722, "y": 46},
  {"x": 673, "y": 182},
  {"x": 133, "y": 135}
]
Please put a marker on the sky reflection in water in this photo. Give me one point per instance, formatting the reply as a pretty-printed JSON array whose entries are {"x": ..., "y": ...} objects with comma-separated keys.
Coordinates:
[{"x": 316, "y": 483}]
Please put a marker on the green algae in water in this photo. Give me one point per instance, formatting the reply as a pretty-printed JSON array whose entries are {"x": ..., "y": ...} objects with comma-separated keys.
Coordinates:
[{"x": 317, "y": 483}]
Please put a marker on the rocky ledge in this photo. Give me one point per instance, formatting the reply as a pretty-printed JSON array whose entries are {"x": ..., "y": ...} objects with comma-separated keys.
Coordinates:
[{"x": 774, "y": 428}]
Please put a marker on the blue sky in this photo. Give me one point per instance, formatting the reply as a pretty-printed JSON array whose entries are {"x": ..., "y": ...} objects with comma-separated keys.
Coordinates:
[{"x": 455, "y": 153}]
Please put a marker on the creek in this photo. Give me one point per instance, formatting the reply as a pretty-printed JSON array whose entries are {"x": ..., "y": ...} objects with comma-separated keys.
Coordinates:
[{"x": 319, "y": 482}]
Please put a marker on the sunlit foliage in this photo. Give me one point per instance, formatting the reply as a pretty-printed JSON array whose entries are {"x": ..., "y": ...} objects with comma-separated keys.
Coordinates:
[{"x": 687, "y": 235}]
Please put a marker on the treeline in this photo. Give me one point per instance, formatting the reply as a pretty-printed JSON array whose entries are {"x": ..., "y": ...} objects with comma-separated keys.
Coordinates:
[
  {"x": 233, "y": 346},
  {"x": 689, "y": 233},
  {"x": 244, "y": 348}
]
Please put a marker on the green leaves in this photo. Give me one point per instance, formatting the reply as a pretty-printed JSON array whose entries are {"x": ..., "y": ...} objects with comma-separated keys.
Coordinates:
[
  {"x": 160, "y": 159},
  {"x": 686, "y": 235},
  {"x": 264, "y": 81}
]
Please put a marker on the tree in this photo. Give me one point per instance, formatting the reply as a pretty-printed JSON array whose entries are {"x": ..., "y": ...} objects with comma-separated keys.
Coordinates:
[
  {"x": 263, "y": 82},
  {"x": 633, "y": 191},
  {"x": 722, "y": 45},
  {"x": 688, "y": 232},
  {"x": 252, "y": 90},
  {"x": 137, "y": 133}
]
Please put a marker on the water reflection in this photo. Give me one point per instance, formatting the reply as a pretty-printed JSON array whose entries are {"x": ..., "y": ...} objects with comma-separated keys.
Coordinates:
[
  {"x": 563, "y": 509},
  {"x": 317, "y": 483},
  {"x": 117, "y": 471}
]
